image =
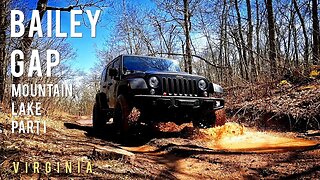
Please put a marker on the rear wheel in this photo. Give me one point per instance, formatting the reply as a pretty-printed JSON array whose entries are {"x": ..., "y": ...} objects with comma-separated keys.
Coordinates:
[{"x": 121, "y": 114}]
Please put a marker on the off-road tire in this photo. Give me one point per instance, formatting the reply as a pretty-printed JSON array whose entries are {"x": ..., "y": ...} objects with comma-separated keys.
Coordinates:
[
  {"x": 98, "y": 118},
  {"x": 121, "y": 115},
  {"x": 207, "y": 119},
  {"x": 101, "y": 112}
]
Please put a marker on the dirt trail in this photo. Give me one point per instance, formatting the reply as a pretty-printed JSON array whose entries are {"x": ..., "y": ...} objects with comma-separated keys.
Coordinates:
[
  {"x": 171, "y": 152},
  {"x": 231, "y": 141},
  {"x": 233, "y": 137}
]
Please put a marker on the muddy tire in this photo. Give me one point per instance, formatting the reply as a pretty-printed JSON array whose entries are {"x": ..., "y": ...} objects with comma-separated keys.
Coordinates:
[
  {"x": 98, "y": 118},
  {"x": 121, "y": 115},
  {"x": 207, "y": 120}
]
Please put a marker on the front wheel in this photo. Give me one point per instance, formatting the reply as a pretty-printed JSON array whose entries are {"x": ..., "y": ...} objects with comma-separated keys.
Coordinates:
[
  {"x": 121, "y": 114},
  {"x": 207, "y": 119},
  {"x": 98, "y": 119}
]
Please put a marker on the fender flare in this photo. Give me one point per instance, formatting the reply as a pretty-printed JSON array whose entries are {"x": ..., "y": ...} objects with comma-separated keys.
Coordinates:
[
  {"x": 215, "y": 88},
  {"x": 137, "y": 83}
]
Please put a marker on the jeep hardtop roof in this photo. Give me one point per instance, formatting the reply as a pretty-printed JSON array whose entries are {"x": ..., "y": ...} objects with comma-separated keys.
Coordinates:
[{"x": 140, "y": 56}]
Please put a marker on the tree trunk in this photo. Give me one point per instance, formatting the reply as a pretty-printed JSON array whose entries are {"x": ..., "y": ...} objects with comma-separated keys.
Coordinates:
[
  {"x": 3, "y": 28},
  {"x": 226, "y": 50},
  {"x": 207, "y": 36},
  {"x": 306, "y": 39},
  {"x": 315, "y": 32},
  {"x": 296, "y": 52},
  {"x": 258, "y": 37},
  {"x": 250, "y": 31},
  {"x": 187, "y": 27},
  {"x": 221, "y": 43},
  {"x": 272, "y": 39},
  {"x": 184, "y": 57},
  {"x": 243, "y": 44},
  {"x": 288, "y": 46}
]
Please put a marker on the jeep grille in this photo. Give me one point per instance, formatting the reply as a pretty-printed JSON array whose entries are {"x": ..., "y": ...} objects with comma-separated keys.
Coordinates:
[{"x": 179, "y": 86}]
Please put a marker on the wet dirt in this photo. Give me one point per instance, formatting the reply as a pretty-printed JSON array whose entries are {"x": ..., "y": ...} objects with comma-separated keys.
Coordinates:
[
  {"x": 170, "y": 151},
  {"x": 232, "y": 151},
  {"x": 233, "y": 137}
]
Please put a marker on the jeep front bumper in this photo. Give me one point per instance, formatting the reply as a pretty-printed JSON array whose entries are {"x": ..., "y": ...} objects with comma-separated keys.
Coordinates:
[{"x": 180, "y": 101}]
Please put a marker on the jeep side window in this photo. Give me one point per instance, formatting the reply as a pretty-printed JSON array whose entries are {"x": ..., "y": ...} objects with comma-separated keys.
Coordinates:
[
  {"x": 107, "y": 77},
  {"x": 116, "y": 65},
  {"x": 103, "y": 75}
]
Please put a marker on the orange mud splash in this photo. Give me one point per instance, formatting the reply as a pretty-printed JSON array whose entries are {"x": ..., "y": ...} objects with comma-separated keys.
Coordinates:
[
  {"x": 235, "y": 137},
  {"x": 231, "y": 137}
]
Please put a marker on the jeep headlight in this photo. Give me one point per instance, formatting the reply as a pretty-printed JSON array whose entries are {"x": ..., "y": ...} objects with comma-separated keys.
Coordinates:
[
  {"x": 202, "y": 84},
  {"x": 153, "y": 82}
]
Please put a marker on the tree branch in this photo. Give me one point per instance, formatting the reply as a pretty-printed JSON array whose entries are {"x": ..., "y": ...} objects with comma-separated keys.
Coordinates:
[
  {"x": 203, "y": 59},
  {"x": 60, "y": 8}
]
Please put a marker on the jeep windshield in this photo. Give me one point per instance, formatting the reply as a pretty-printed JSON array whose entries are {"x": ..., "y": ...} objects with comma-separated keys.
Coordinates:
[{"x": 143, "y": 64}]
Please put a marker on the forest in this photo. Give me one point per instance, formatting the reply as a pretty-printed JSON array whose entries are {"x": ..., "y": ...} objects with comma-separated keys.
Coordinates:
[{"x": 265, "y": 55}]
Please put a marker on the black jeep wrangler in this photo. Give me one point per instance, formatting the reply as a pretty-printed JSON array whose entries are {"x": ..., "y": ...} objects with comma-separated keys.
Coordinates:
[{"x": 158, "y": 88}]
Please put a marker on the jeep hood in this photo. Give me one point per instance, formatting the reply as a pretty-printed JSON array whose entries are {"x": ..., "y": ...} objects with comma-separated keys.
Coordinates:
[{"x": 172, "y": 74}]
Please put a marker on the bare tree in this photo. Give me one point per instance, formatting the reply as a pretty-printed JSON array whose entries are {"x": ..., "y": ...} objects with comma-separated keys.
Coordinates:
[
  {"x": 187, "y": 28},
  {"x": 242, "y": 47},
  {"x": 167, "y": 33},
  {"x": 304, "y": 29},
  {"x": 250, "y": 39},
  {"x": 181, "y": 13},
  {"x": 315, "y": 32},
  {"x": 272, "y": 40},
  {"x": 223, "y": 36},
  {"x": 3, "y": 43}
]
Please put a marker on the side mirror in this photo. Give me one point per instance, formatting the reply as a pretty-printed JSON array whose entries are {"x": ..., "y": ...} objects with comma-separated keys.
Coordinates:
[{"x": 113, "y": 72}]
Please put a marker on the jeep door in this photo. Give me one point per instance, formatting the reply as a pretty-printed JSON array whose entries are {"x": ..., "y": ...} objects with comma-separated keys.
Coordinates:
[
  {"x": 103, "y": 80},
  {"x": 113, "y": 83}
]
